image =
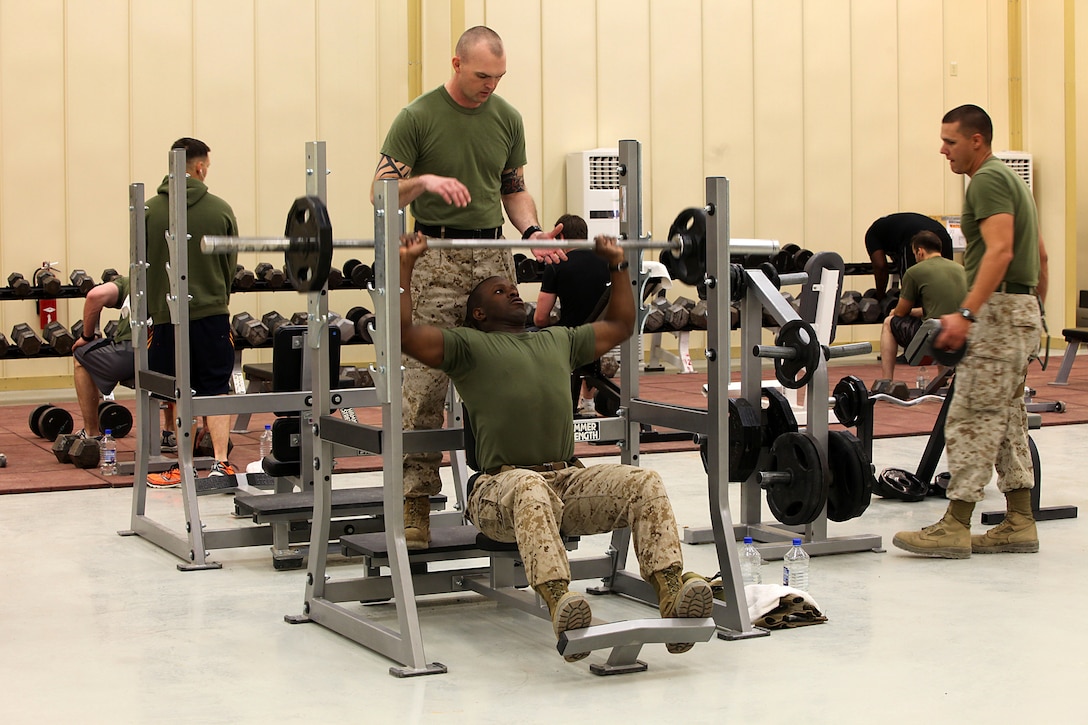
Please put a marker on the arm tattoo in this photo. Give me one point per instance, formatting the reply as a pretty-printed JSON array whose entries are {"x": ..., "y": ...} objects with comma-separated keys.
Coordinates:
[
  {"x": 390, "y": 168},
  {"x": 512, "y": 182}
]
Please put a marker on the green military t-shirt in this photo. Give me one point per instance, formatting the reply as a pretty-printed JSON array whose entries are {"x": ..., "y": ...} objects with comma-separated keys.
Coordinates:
[
  {"x": 124, "y": 328},
  {"x": 938, "y": 283},
  {"x": 996, "y": 189},
  {"x": 435, "y": 135},
  {"x": 516, "y": 387}
]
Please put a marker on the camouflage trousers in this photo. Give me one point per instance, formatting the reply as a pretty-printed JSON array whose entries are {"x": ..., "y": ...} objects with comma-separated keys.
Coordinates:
[
  {"x": 987, "y": 424},
  {"x": 533, "y": 509},
  {"x": 441, "y": 284}
]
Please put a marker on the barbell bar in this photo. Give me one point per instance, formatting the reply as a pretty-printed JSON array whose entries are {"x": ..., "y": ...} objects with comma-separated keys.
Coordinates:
[{"x": 308, "y": 244}]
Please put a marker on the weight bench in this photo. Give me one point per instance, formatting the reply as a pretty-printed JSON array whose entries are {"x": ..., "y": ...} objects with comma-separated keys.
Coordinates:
[{"x": 1074, "y": 338}]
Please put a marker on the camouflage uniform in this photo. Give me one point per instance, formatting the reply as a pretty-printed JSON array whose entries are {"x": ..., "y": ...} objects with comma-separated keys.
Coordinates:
[
  {"x": 441, "y": 284},
  {"x": 986, "y": 426},
  {"x": 575, "y": 501}
]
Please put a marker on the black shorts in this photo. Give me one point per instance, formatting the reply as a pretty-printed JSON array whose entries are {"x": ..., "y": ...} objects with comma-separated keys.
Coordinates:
[
  {"x": 211, "y": 353},
  {"x": 905, "y": 328},
  {"x": 108, "y": 363}
]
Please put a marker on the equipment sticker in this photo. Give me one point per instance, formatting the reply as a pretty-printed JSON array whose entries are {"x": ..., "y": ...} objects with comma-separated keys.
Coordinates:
[{"x": 586, "y": 431}]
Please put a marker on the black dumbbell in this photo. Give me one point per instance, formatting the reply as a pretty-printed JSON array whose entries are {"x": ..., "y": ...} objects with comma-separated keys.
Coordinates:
[
  {"x": 697, "y": 315},
  {"x": 204, "y": 445},
  {"x": 360, "y": 274},
  {"x": 869, "y": 310},
  {"x": 48, "y": 281},
  {"x": 273, "y": 321},
  {"x": 678, "y": 313},
  {"x": 244, "y": 279},
  {"x": 655, "y": 318},
  {"x": 848, "y": 307},
  {"x": 299, "y": 318},
  {"x": 48, "y": 421},
  {"x": 889, "y": 303},
  {"x": 62, "y": 445},
  {"x": 271, "y": 276},
  {"x": 110, "y": 329},
  {"x": 20, "y": 287},
  {"x": 530, "y": 270},
  {"x": 336, "y": 278},
  {"x": 77, "y": 329},
  {"x": 253, "y": 331},
  {"x": 58, "y": 336},
  {"x": 361, "y": 318},
  {"x": 783, "y": 260},
  {"x": 800, "y": 259},
  {"x": 81, "y": 280},
  {"x": 344, "y": 325},
  {"x": 360, "y": 378},
  {"x": 109, "y": 274},
  {"x": 5, "y": 346},
  {"x": 85, "y": 452},
  {"x": 26, "y": 339},
  {"x": 114, "y": 417}
]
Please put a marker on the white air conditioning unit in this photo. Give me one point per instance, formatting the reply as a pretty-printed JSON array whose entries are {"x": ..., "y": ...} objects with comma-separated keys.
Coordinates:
[
  {"x": 593, "y": 189},
  {"x": 1020, "y": 162}
]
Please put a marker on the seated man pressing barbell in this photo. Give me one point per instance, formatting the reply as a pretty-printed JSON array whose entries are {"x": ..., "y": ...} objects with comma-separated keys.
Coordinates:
[
  {"x": 932, "y": 287},
  {"x": 531, "y": 490}
]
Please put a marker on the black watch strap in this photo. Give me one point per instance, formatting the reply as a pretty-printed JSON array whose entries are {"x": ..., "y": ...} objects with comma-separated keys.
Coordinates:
[
  {"x": 87, "y": 339},
  {"x": 531, "y": 231}
]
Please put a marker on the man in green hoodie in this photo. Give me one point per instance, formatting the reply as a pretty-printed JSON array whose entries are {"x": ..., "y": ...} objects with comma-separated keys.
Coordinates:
[{"x": 211, "y": 343}]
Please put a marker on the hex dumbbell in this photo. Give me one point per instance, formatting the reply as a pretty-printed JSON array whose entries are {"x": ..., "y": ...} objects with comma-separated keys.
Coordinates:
[
  {"x": 81, "y": 280},
  {"x": 361, "y": 275},
  {"x": 85, "y": 452},
  {"x": 109, "y": 274},
  {"x": 47, "y": 281},
  {"x": 361, "y": 317},
  {"x": 299, "y": 318},
  {"x": 56, "y": 335},
  {"x": 273, "y": 321},
  {"x": 244, "y": 279},
  {"x": 19, "y": 285},
  {"x": 110, "y": 329},
  {"x": 345, "y": 326},
  {"x": 272, "y": 277},
  {"x": 26, "y": 339},
  {"x": 253, "y": 331}
]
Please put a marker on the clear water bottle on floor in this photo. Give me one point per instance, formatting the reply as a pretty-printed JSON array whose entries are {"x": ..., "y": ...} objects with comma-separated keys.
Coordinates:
[
  {"x": 108, "y": 464},
  {"x": 923, "y": 379},
  {"x": 751, "y": 563},
  {"x": 795, "y": 567},
  {"x": 266, "y": 442}
]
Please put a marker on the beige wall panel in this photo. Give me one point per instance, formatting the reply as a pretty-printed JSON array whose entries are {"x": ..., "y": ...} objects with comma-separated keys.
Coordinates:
[
  {"x": 997, "y": 63},
  {"x": 392, "y": 65},
  {"x": 286, "y": 105},
  {"x": 439, "y": 39},
  {"x": 921, "y": 104},
  {"x": 569, "y": 88},
  {"x": 825, "y": 165},
  {"x": 728, "y": 107},
  {"x": 779, "y": 120},
  {"x": 1080, "y": 250},
  {"x": 97, "y": 138},
  {"x": 518, "y": 22},
  {"x": 675, "y": 149},
  {"x": 31, "y": 156},
  {"x": 161, "y": 85},
  {"x": 623, "y": 73},
  {"x": 875, "y": 125}
]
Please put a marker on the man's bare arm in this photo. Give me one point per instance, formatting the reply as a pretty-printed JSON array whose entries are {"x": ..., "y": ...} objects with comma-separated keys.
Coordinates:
[
  {"x": 411, "y": 187},
  {"x": 423, "y": 342}
]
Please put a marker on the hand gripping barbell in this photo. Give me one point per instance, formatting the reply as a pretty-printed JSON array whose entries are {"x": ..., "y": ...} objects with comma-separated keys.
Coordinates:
[{"x": 308, "y": 244}]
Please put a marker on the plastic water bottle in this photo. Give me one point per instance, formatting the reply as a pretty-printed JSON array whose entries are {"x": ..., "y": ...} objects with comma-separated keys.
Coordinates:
[
  {"x": 108, "y": 466},
  {"x": 266, "y": 442},
  {"x": 922, "y": 378},
  {"x": 751, "y": 563},
  {"x": 795, "y": 567}
]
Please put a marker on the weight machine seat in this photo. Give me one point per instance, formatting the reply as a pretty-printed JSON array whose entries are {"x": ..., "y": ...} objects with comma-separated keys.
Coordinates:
[
  {"x": 1075, "y": 334},
  {"x": 300, "y": 505},
  {"x": 280, "y": 469},
  {"x": 451, "y": 542}
]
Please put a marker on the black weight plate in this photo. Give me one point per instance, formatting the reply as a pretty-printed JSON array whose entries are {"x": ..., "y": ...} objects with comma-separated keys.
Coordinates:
[
  {"x": 745, "y": 438},
  {"x": 33, "y": 421},
  {"x": 851, "y": 397},
  {"x": 115, "y": 418},
  {"x": 797, "y": 372},
  {"x": 900, "y": 484},
  {"x": 689, "y": 263},
  {"x": 939, "y": 486},
  {"x": 851, "y": 485},
  {"x": 54, "y": 422},
  {"x": 802, "y": 499},
  {"x": 776, "y": 416},
  {"x": 309, "y": 257}
]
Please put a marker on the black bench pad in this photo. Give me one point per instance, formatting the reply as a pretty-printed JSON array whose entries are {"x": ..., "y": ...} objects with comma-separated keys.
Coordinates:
[
  {"x": 301, "y": 503},
  {"x": 1075, "y": 334}
]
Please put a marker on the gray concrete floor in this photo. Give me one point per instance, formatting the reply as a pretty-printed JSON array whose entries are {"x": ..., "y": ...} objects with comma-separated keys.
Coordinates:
[{"x": 100, "y": 628}]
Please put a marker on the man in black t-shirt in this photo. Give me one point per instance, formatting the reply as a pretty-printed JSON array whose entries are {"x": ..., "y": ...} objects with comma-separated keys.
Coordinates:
[{"x": 890, "y": 236}]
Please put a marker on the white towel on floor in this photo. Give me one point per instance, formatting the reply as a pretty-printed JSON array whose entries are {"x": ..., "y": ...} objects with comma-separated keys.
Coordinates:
[{"x": 763, "y": 598}]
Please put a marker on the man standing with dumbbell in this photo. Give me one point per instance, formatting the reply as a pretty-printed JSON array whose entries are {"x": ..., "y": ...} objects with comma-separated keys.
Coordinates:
[
  {"x": 211, "y": 343},
  {"x": 1000, "y": 317},
  {"x": 458, "y": 153}
]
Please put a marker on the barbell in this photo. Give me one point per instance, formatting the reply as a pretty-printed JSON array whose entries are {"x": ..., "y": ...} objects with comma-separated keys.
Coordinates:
[{"x": 308, "y": 245}]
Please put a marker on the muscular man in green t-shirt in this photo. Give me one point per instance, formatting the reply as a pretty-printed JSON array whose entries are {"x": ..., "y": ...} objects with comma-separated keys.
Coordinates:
[
  {"x": 458, "y": 153},
  {"x": 1000, "y": 318},
  {"x": 531, "y": 490},
  {"x": 932, "y": 287}
]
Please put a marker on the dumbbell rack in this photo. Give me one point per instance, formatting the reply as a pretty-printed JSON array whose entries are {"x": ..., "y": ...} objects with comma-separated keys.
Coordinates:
[{"x": 775, "y": 538}]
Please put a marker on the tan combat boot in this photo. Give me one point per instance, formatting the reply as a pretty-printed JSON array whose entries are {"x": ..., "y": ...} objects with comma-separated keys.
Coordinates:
[
  {"x": 1016, "y": 534},
  {"x": 949, "y": 538},
  {"x": 417, "y": 522},
  {"x": 569, "y": 610},
  {"x": 682, "y": 595}
]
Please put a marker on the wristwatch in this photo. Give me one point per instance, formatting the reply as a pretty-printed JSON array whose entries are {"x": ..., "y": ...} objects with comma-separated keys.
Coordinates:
[
  {"x": 619, "y": 267},
  {"x": 531, "y": 231},
  {"x": 87, "y": 339},
  {"x": 967, "y": 314}
]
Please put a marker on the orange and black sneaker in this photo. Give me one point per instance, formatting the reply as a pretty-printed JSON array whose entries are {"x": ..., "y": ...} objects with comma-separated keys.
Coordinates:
[
  {"x": 170, "y": 478},
  {"x": 222, "y": 468}
]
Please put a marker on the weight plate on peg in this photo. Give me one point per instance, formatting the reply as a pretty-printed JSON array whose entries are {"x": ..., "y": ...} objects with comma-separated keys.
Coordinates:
[
  {"x": 689, "y": 263},
  {"x": 745, "y": 437},
  {"x": 851, "y": 397},
  {"x": 309, "y": 257},
  {"x": 851, "y": 486},
  {"x": 776, "y": 416},
  {"x": 797, "y": 372},
  {"x": 801, "y": 499}
]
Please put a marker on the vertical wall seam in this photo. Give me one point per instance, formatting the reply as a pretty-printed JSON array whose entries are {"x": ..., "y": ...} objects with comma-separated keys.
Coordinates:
[
  {"x": 1071, "y": 215},
  {"x": 1016, "y": 76}
]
